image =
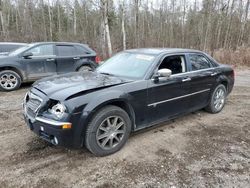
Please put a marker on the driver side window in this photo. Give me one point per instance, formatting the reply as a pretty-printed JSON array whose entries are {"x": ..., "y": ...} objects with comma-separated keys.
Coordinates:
[
  {"x": 42, "y": 50},
  {"x": 175, "y": 63}
]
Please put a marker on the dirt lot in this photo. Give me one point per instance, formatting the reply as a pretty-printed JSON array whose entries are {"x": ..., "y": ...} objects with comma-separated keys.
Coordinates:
[{"x": 198, "y": 150}]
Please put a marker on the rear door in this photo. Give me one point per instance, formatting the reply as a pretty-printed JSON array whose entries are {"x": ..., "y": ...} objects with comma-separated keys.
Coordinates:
[
  {"x": 41, "y": 63},
  {"x": 202, "y": 77},
  {"x": 65, "y": 58},
  {"x": 71, "y": 57}
]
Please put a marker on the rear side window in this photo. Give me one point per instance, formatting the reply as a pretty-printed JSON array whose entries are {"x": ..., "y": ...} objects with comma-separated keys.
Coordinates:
[
  {"x": 199, "y": 62},
  {"x": 66, "y": 50},
  {"x": 81, "y": 50}
]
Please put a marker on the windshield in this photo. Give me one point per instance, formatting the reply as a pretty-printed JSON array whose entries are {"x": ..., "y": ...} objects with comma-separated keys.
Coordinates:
[
  {"x": 20, "y": 50},
  {"x": 125, "y": 64}
]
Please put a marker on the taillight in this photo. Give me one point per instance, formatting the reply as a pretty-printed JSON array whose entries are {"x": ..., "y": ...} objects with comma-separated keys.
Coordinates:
[{"x": 97, "y": 59}]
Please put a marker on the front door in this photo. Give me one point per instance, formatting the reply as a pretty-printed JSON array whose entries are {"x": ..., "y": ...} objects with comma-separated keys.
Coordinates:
[
  {"x": 41, "y": 63},
  {"x": 167, "y": 97}
]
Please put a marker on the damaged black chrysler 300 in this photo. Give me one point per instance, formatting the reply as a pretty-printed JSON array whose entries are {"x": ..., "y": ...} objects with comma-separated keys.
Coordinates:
[{"x": 132, "y": 90}]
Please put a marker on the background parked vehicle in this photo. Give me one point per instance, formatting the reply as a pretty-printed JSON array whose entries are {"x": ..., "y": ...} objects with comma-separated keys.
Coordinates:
[
  {"x": 7, "y": 47},
  {"x": 38, "y": 60},
  {"x": 132, "y": 90}
]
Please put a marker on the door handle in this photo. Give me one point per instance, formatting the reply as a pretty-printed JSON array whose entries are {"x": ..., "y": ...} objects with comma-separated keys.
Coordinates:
[
  {"x": 76, "y": 58},
  {"x": 214, "y": 73},
  {"x": 50, "y": 59},
  {"x": 186, "y": 79}
]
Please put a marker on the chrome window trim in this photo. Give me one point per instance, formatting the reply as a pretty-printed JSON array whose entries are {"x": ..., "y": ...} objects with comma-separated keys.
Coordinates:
[
  {"x": 186, "y": 73},
  {"x": 183, "y": 54},
  {"x": 42, "y": 56},
  {"x": 189, "y": 72},
  {"x": 175, "y": 98},
  {"x": 50, "y": 121}
]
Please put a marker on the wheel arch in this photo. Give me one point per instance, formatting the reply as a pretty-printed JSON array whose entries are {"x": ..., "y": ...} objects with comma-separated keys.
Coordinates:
[
  {"x": 224, "y": 81},
  {"x": 99, "y": 100},
  {"x": 123, "y": 104},
  {"x": 85, "y": 63},
  {"x": 13, "y": 69}
]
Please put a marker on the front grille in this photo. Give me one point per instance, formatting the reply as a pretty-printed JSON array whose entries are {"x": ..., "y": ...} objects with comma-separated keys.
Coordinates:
[{"x": 32, "y": 104}]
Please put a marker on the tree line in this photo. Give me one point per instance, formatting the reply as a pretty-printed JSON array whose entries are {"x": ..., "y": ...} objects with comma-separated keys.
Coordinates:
[{"x": 109, "y": 26}]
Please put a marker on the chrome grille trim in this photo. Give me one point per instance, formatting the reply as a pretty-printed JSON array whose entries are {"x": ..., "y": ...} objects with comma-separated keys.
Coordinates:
[{"x": 32, "y": 104}]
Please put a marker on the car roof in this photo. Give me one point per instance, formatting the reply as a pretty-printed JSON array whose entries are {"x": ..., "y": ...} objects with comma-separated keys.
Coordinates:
[
  {"x": 12, "y": 43},
  {"x": 86, "y": 46},
  {"x": 62, "y": 43},
  {"x": 158, "y": 51}
]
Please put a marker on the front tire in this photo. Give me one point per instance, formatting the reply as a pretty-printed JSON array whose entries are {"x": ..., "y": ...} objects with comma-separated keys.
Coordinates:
[
  {"x": 108, "y": 131},
  {"x": 9, "y": 80},
  {"x": 217, "y": 99}
]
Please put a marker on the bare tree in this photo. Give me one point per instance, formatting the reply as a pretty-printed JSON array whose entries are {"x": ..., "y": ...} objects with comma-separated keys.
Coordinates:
[
  {"x": 59, "y": 20},
  {"x": 104, "y": 7},
  {"x": 50, "y": 22},
  {"x": 243, "y": 26},
  {"x": 74, "y": 14},
  {"x": 123, "y": 25},
  {"x": 229, "y": 25},
  {"x": 137, "y": 36},
  {"x": 1, "y": 18},
  {"x": 209, "y": 15}
]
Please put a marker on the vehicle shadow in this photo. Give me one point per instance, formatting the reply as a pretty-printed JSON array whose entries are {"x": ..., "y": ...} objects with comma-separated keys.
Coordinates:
[
  {"x": 26, "y": 85},
  {"x": 37, "y": 145}
]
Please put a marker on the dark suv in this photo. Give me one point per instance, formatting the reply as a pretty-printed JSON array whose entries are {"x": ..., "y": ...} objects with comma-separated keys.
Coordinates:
[
  {"x": 7, "y": 47},
  {"x": 38, "y": 60}
]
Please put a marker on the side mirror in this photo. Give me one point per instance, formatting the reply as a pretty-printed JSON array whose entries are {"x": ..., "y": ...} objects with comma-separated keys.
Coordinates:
[
  {"x": 164, "y": 73},
  {"x": 27, "y": 54}
]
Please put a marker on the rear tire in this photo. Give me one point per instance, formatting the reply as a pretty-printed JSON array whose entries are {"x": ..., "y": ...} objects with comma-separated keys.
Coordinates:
[
  {"x": 108, "y": 131},
  {"x": 85, "y": 68},
  {"x": 217, "y": 99},
  {"x": 9, "y": 80}
]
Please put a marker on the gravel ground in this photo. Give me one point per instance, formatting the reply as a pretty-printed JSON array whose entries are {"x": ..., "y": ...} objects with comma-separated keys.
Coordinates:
[{"x": 197, "y": 150}]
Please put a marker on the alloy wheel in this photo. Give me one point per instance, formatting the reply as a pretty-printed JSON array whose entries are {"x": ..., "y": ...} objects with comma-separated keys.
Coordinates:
[
  {"x": 110, "y": 132},
  {"x": 8, "y": 81},
  {"x": 219, "y": 99}
]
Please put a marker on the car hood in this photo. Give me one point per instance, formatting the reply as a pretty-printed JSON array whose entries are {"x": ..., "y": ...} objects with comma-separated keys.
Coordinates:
[
  {"x": 61, "y": 87},
  {"x": 4, "y": 59},
  {"x": 4, "y": 56}
]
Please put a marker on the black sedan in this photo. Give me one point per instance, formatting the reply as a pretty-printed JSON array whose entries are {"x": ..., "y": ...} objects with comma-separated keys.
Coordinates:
[
  {"x": 38, "y": 60},
  {"x": 132, "y": 90}
]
